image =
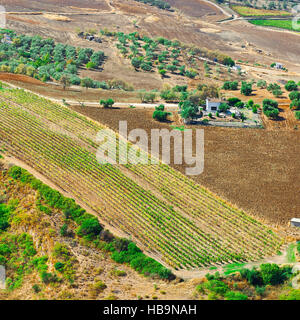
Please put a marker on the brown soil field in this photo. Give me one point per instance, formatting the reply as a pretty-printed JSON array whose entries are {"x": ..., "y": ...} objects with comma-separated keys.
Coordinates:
[
  {"x": 255, "y": 169},
  {"x": 197, "y": 8}
]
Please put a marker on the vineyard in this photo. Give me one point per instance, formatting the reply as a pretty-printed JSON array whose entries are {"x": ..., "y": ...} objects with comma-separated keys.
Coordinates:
[{"x": 169, "y": 216}]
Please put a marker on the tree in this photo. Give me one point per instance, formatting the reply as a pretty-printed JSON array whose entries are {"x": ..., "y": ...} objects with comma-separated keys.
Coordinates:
[
  {"x": 107, "y": 103},
  {"x": 262, "y": 84},
  {"x": 294, "y": 95},
  {"x": 223, "y": 107},
  {"x": 87, "y": 83},
  {"x": 65, "y": 81},
  {"x": 160, "y": 114},
  {"x": 162, "y": 72},
  {"x": 291, "y": 86},
  {"x": 90, "y": 227},
  {"x": 295, "y": 104},
  {"x": 246, "y": 88},
  {"x": 270, "y": 108}
]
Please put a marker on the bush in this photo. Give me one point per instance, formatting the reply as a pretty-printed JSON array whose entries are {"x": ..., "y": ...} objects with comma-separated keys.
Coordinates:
[
  {"x": 223, "y": 107},
  {"x": 291, "y": 86},
  {"x": 262, "y": 84},
  {"x": 107, "y": 103},
  {"x": 273, "y": 274},
  {"x": 90, "y": 227},
  {"x": 232, "y": 295},
  {"x": 294, "y": 95},
  {"x": 297, "y": 115},
  {"x": 59, "y": 266},
  {"x": 232, "y": 101},
  {"x": 48, "y": 277},
  {"x": 36, "y": 288},
  {"x": 230, "y": 85},
  {"x": 270, "y": 108},
  {"x": 269, "y": 274},
  {"x": 246, "y": 88}
]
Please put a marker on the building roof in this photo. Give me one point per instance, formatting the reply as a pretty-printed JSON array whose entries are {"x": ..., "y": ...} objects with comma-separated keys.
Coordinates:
[{"x": 214, "y": 100}]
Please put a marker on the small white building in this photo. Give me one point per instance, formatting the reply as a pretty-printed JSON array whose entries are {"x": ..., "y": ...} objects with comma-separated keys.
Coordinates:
[
  {"x": 295, "y": 222},
  {"x": 278, "y": 66},
  {"x": 236, "y": 68},
  {"x": 212, "y": 105}
]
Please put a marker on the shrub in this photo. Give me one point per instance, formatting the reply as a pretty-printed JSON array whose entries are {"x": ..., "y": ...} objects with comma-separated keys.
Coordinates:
[
  {"x": 48, "y": 277},
  {"x": 273, "y": 274},
  {"x": 107, "y": 103},
  {"x": 223, "y": 107},
  {"x": 36, "y": 288},
  {"x": 59, "y": 266},
  {"x": 232, "y": 295},
  {"x": 246, "y": 88},
  {"x": 233, "y": 101},
  {"x": 294, "y": 95},
  {"x": 262, "y": 84},
  {"x": 291, "y": 86},
  {"x": 297, "y": 115},
  {"x": 90, "y": 227},
  {"x": 230, "y": 85},
  {"x": 295, "y": 104}
]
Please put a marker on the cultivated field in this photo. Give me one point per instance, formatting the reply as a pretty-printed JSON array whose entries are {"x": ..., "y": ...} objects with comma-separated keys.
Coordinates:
[
  {"x": 248, "y": 12},
  {"x": 175, "y": 220},
  {"x": 282, "y": 24},
  {"x": 256, "y": 169}
]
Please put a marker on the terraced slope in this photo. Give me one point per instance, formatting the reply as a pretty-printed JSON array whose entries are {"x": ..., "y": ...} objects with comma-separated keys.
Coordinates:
[{"x": 175, "y": 220}]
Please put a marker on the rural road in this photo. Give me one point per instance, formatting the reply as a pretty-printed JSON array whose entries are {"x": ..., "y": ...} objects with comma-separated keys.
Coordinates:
[{"x": 170, "y": 106}]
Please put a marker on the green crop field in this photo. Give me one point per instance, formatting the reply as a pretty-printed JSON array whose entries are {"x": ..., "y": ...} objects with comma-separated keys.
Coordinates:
[
  {"x": 248, "y": 11},
  {"x": 174, "y": 220},
  {"x": 283, "y": 24}
]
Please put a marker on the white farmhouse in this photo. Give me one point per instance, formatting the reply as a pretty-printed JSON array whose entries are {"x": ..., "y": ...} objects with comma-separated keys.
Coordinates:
[
  {"x": 212, "y": 105},
  {"x": 278, "y": 65},
  {"x": 295, "y": 222}
]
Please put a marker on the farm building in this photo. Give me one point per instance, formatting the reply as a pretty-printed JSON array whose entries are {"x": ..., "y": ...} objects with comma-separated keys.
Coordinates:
[
  {"x": 212, "y": 105},
  {"x": 278, "y": 66},
  {"x": 236, "y": 68},
  {"x": 295, "y": 222}
]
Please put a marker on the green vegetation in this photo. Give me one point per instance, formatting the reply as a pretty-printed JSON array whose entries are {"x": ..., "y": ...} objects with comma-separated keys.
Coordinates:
[
  {"x": 17, "y": 253},
  {"x": 166, "y": 56},
  {"x": 160, "y": 114},
  {"x": 246, "y": 88},
  {"x": 107, "y": 103},
  {"x": 291, "y": 257},
  {"x": 175, "y": 235},
  {"x": 157, "y": 3},
  {"x": 46, "y": 60},
  {"x": 283, "y": 24},
  {"x": 230, "y": 85},
  {"x": 291, "y": 85},
  {"x": 216, "y": 289},
  {"x": 123, "y": 251},
  {"x": 248, "y": 11},
  {"x": 270, "y": 108},
  {"x": 269, "y": 274}
]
